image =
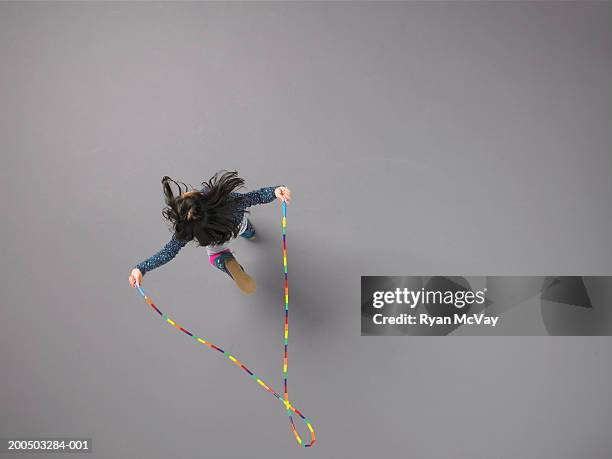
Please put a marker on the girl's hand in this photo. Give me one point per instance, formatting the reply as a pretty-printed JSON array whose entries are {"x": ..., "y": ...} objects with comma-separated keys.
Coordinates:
[
  {"x": 135, "y": 277},
  {"x": 283, "y": 193}
]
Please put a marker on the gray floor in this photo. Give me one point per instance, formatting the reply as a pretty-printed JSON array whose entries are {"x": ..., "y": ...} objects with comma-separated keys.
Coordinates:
[{"x": 440, "y": 138}]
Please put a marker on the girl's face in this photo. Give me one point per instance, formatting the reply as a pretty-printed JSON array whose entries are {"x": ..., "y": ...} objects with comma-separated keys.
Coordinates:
[{"x": 189, "y": 193}]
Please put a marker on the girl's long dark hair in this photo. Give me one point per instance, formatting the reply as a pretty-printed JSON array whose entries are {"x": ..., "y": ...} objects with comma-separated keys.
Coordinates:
[{"x": 208, "y": 215}]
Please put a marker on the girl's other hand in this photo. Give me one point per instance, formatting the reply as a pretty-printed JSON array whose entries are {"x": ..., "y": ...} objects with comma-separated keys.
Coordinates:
[
  {"x": 283, "y": 193},
  {"x": 135, "y": 277}
]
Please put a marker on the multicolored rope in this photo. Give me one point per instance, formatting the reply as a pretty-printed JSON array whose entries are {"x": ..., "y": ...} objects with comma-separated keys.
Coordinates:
[{"x": 285, "y": 399}]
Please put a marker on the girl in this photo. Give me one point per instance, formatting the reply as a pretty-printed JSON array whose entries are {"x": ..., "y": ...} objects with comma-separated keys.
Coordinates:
[{"x": 213, "y": 216}]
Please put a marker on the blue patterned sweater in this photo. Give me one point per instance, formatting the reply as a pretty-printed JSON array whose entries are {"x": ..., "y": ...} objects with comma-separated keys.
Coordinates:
[{"x": 169, "y": 251}]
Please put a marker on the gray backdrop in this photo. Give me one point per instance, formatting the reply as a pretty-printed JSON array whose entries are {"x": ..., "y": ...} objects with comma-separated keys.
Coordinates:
[{"x": 438, "y": 138}]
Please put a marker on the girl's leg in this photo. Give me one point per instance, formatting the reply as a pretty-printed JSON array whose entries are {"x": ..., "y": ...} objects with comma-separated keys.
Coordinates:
[
  {"x": 244, "y": 282},
  {"x": 249, "y": 232},
  {"x": 222, "y": 258}
]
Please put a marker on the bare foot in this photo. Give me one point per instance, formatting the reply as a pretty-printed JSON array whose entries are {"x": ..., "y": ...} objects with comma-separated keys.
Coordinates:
[{"x": 244, "y": 282}]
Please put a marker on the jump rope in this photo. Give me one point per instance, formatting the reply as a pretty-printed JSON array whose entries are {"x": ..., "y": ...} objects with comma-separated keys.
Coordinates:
[{"x": 285, "y": 398}]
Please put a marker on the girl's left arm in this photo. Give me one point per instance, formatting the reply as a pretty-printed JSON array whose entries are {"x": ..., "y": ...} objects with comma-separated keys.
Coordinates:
[{"x": 167, "y": 253}]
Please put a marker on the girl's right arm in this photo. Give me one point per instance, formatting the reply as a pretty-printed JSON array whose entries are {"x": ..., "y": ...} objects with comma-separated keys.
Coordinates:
[
  {"x": 266, "y": 195},
  {"x": 167, "y": 253}
]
